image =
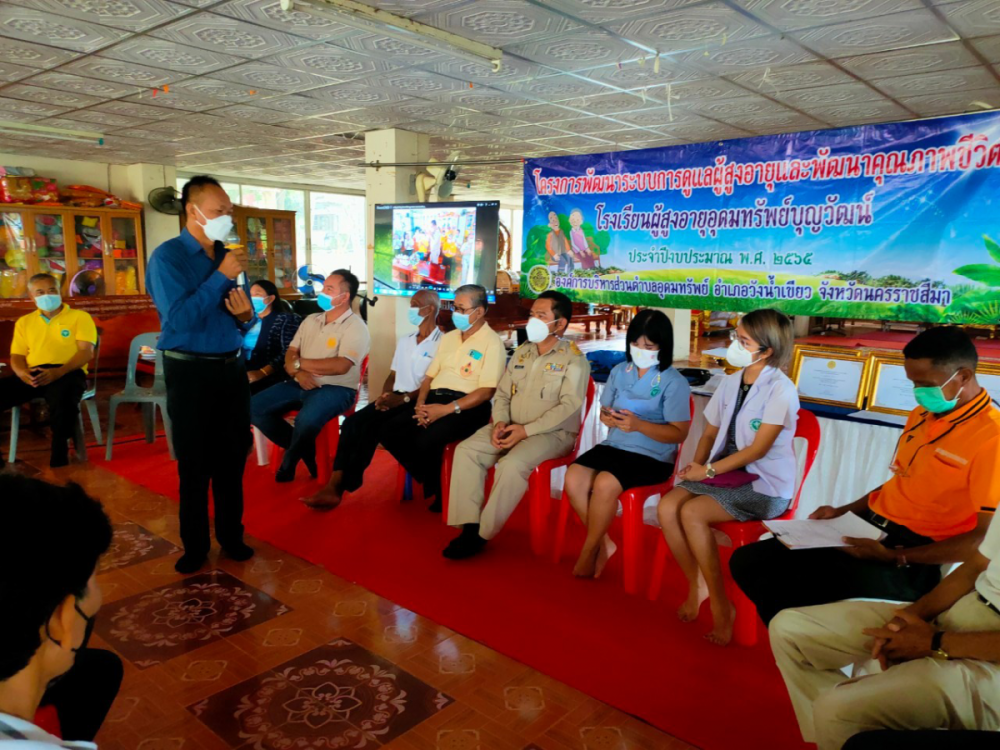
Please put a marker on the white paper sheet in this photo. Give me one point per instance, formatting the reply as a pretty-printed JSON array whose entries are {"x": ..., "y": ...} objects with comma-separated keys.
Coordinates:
[{"x": 807, "y": 534}]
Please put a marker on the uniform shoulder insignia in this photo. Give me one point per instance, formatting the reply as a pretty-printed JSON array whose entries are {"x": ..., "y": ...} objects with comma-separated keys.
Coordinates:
[{"x": 574, "y": 348}]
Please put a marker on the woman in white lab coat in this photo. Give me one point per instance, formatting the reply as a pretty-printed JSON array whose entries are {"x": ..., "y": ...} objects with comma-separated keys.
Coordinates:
[{"x": 744, "y": 467}]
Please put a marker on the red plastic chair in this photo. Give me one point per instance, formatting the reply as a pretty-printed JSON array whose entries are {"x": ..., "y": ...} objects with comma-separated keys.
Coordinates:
[
  {"x": 47, "y": 719},
  {"x": 328, "y": 439},
  {"x": 633, "y": 501},
  {"x": 746, "y": 532}
]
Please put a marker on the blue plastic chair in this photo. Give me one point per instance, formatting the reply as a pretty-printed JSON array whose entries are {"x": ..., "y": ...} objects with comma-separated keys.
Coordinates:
[{"x": 150, "y": 398}]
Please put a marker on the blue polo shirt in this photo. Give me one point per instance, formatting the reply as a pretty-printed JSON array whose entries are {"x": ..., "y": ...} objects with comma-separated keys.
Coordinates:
[
  {"x": 189, "y": 292},
  {"x": 658, "y": 397}
]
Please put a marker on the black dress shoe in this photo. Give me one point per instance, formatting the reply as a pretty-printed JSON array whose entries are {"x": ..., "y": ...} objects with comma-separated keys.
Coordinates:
[
  {"x": 189, "y": 563},
  {"x": 435, "y": 507},
  {"x": 464, "y": 546},
  {"x": 239, "y": 553}
]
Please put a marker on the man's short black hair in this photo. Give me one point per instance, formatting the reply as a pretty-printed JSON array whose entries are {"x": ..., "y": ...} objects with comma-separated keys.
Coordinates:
[
  {"x": 55, "y": 536},
  {"x": 477, "y": 293},
  {"x": 562, "y": 307},
  {"x": 655, "y": 326},
  {"x": 194, "y": 186},
  {"x": 43, "y": 277},
  {"x": 351, "y": 279},
  {"x": 946, "y": 346}
]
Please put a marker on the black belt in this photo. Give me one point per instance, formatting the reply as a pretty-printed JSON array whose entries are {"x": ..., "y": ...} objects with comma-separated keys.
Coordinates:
[
  {"x": 988, "y": 603},
  {"x": 226, "y": 359},
  {"x": 448, "y": 392},
  {"x": 896, "y": 533}
]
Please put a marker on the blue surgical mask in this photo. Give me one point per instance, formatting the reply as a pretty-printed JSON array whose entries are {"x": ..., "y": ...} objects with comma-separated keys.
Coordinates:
[
  {"x": 461, "y": 321},
  {"x": 48, "y": 302},
  {"x": 259, "y": 304},
  {"x": 415, "y": 317},
  {"x": 325, "y": 301},
  {"x": 932, "y": 398}
]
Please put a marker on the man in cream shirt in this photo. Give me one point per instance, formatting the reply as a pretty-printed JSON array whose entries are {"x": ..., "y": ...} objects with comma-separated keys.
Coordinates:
[
  {"x": 940, "y": 658},
  {"x": 324, "y": 362}
]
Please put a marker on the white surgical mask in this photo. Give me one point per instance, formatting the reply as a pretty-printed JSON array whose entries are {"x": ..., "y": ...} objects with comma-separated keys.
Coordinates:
[
  {"x": 217, "y": 229},
  {"x": 537, "y": 330},
  {"x": 643, "y": 358},
  {"x": 737, "y": 356},
  {"x": 416, "y": 318}
]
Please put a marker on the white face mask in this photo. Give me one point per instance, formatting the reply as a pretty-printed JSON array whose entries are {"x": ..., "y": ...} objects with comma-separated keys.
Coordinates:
[
  {"x": 537, "y": 330},
  {"x": 737, "y": 356},
  {"x": 643, "y": 358},
  {"x": 217, "y": 229}
]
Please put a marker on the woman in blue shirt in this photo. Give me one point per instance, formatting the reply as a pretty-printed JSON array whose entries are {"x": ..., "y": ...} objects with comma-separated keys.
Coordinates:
[
  {"x": 646, "y": 406},
  {"x": 265, "y": 344}
]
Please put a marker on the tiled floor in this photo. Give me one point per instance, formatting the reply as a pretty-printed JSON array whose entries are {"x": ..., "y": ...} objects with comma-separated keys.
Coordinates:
[{"x": 277, "y": 654}]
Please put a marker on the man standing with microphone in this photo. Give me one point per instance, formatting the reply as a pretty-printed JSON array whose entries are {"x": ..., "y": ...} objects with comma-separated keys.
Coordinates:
[{"x": 203, "y": 312}]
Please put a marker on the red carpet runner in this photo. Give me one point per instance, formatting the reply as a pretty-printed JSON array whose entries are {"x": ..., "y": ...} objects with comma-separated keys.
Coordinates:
[{"x": 624, "y": 650}]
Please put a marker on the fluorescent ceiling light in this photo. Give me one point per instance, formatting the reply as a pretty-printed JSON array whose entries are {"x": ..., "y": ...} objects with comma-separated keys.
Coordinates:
[
  {"x": 359, "y": 15},
  {"x": 44, "y": 131}
]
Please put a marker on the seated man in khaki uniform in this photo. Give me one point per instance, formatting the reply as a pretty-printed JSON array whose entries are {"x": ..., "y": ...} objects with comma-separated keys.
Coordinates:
[{"x": 536, "y": 417}]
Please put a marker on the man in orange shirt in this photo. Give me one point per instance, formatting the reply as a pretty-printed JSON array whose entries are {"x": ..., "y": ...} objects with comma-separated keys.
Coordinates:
[{"x": 934, "y": 510}]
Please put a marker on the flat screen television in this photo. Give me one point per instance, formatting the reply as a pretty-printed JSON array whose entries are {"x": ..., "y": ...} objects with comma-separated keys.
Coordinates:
[{"x": 438, "y": 246}]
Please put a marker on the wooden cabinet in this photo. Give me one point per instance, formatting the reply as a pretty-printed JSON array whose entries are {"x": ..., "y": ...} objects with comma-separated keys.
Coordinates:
[
  {"x": 64, "y": 242},
  {"x": 269, "y": 238}
]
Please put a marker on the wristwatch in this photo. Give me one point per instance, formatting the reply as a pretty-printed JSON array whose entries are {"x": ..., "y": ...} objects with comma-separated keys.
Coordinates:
[
  {"x": 936, "y": 651},
  {"x": 458, "y": 409},
  {"x": 297, "y": 365},
  {"x": 406, "y": 398},
  {"x": 709, "y": 471}
]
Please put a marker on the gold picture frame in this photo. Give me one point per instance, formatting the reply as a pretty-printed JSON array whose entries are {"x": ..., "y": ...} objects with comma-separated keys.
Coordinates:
[
  {"x": 833, "y": 354},
  {"x": 879, "y": 361}
]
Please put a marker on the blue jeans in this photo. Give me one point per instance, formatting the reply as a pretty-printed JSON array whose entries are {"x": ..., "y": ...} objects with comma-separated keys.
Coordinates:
[{"x": 316, "y": 407}]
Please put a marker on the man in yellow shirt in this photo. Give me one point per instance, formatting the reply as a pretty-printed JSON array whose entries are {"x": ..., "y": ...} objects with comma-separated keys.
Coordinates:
[
  {"x": 49, "y": 357},
  {"x": 454, "y": 398}
]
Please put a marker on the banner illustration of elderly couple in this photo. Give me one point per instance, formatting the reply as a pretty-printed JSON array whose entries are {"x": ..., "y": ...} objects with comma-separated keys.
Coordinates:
[{"x": 897, "y": 221}]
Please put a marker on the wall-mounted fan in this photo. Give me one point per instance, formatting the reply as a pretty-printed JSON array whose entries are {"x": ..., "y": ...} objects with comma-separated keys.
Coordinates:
[
  {"x": 87, "y": 283},
  {"x": 312, "y": 282},
  {"x": 165, "y": 200},
  {"x": 437, "y": 182}
]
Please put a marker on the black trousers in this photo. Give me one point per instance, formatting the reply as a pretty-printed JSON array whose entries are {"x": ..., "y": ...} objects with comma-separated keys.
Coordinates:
[
  {"x": 420, "y": 449},
  {"x": 83, "y": 697},
  {"x": 776, "y": 578},
  {"x": 360, "y": 435},
  {"x": 63, "y": 397},
  {"x": 209, "y": 405},
  {"x": 931, "y": 739}
]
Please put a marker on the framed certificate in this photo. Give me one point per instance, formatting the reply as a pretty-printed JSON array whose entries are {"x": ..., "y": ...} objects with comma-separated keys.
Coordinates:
[
  {"x": 890, "y": 392},
  {"x": 834, "y": 376}
]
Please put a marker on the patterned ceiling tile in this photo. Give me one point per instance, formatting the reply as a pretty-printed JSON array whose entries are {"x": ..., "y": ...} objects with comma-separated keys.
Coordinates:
[
  {"x": 805, "y": 76},
  {"x": 109, "y": 120},
  {"x": 130, "y": 109},
  {"x": 500, "y": 22},
  {"x": 511, "y": 69},
  {"x": 608, "y": 104},
  {"x": 9, "y": 72},
  {"x": 145, "y": 133},
  {"x": 988, "y": 47},
  {"x": 755, "y": 54},
  {"x": 691, "y": 128},
  {"x": 298, "y": 21},
  {"x": 480, "y": 99},
  {"x": 224, "y": 34},
  {"x": 524, "y": 132},
  {"x": 41, "y": 27},
  {"x": 160, "y": 53},
  {"x": 50, "y": 96},
  {"x": 81, "y": 85},
  {"x": 263, "y": 76},
  {"x": 351, "y": 95},
  {"x": 414, "y": 83},
  {"x": 577, "y": 51},
  {"x": 127, "y": 15},
  {"x": 608, "y": 11},
  {"x": 179, "y": 99},
  {"x": 254, "y": 114},
  {"x": 553, "y": 88},
  {"x": 331, "y": 62},
  {"x": 570, "y": 142},
  {"x": 402, "y": 54},
  {"x": 30, "y": 108},
  {"x": 541, "y": 114},
  {"x": 301, "y": 105},
  {"x": 690, "y": 28},
  {"x": 589, "y": 126},
  {"x": 656, "y": 118},
  {"x": 951, "y": 103},
  {"x": 33, "y": 55},
  {"x": 633, "y": 75},
  {"x": 856, "y": 114},
  {"x": 925, "y": 59},
  {"x": 744, "y": 105},
  {"x": 789, "y": 123},
  {"x": 973, "y": 18},
  {"x": 898, "y": 31},
  {"x": 121, "y": 72},
  {"x": 966, "y": 79},
  {"x": 802, "y": 14},
  {"x": 68, "y": 124},
  {"x": 707, "y": 89},
  {"x": 11, "y": 116},
  {"x": 847, "y": 93}
]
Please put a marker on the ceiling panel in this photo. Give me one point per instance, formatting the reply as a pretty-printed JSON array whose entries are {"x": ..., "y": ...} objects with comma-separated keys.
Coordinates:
[
  {"x": 50, "y": 96},
  {"x": 846, "y": 93},
  {"x": 33, "y": 55},
  {"x": 331, "y": 62},
  {"x": 965, "y": 79},
  {"x": 755, "y": 54},
  {"x": 299, "y": 21},
  {"x": 973, "y": 18},
  {"x": 121, "y": 72},
  {"x": 80, "y": 85},
  {"x": 988, "y": 47},
  {"x": 807, "y": 75},
  {"x": 162, "y": 53},
  {"x": 500, "y": 22},
  {"x": 10, "y": 72},
  {"x": 233, "y": 37},
  {"x": 126, "y": 15},
  {"x": 41, "y": 27},
  {"x": 951, "y": 103},
  {"x": 577, "y": 51},
  {"x": 698, "y": 27},
  {"x": 897, "y": 31},
  {"x": 789, "y": 15}
]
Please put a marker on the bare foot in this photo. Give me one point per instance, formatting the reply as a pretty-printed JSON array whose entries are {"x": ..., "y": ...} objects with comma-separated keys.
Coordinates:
[
  {"x": 688, "y": 611},
  {"x": 604, "y": 553},
  {"x": 724, "y": 620},
  {"x": 325, "y": 499},
  {"x": 587, "y": 564}
]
